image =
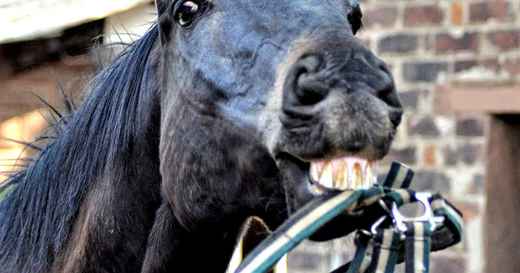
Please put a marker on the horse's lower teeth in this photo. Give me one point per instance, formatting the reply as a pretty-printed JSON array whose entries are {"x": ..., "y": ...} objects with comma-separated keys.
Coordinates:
[{"x": 346, "y": 173}]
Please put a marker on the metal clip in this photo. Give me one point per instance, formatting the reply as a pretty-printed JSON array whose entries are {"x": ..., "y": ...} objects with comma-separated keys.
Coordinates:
[
  {"x": 381, "y": 220},
  {"x": 424, "y": 199},
  {"x": 377, "y": 224}
]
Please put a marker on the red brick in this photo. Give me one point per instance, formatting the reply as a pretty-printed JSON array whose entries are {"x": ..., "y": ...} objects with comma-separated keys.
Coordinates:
[
  {"x": 457, "y": 13},
  {"x": 470, "y": 210},
  {"x": 470, "y": 127},
  {"x": 451, "y": 155},
  {"x": 424, "y": 71},
  {"x": 424, "y": 15},
  {"x": 449, "y": 43},
  {"x": 512, "y": 65},
  {"x": 410, "y": 99},
  {"x": 491, "y": 64},
  {"x": 432, "y": 181},
  {"x": 505, "y": 39},
  {"x": 380, "y": 16},
  {"x": 423, "y": 127},
  {"x": 477, "y": 185},
  {"x": 430, "y": 156},
  {"x": 406, "y": 155},
  {"x": 471, "y": 153},
  {"x": 398, "y": 43},
  {"x": 483, "y": 11}
]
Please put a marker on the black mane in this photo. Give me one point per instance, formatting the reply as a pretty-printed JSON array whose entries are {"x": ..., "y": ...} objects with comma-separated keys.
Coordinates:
[{"x": 37, "y": 217}]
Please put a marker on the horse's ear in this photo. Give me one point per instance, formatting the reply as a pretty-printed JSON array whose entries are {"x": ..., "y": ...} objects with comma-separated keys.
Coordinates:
[
  {"x": 160, "y": 5},
  {"x": 162, "y": 21}
]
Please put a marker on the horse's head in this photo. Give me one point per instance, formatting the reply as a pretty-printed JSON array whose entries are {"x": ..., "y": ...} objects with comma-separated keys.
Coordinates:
[{"x": 258, "y": 93}]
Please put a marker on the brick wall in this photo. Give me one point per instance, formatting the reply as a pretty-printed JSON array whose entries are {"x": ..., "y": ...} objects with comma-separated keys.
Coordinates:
[{"x": 428, "y": 43}]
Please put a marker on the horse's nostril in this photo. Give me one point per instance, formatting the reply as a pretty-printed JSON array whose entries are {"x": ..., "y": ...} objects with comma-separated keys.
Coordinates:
[
  {"x": 385, "y": 90},
  {"x": 396, "y": 117},
  {"x": 310, "y": 63},
  {"x": 307, "y": 88}
]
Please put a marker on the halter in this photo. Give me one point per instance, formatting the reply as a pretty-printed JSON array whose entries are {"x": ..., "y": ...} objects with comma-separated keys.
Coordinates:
[{"x": 394, "y": 238}]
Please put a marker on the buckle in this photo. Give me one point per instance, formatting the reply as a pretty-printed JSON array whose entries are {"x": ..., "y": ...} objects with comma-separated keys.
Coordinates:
[{"x": 422, "y": 198}]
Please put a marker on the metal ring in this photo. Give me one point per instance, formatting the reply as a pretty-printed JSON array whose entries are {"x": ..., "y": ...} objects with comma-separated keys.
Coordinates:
[{"x": 424, "y": 199}]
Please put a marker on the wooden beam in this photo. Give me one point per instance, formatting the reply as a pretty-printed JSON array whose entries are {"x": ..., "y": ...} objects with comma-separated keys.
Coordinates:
[
  {"x": 502, "y": 232},
  {"x": 27, "y": 20},
  {"x": 478, "y": 99}
]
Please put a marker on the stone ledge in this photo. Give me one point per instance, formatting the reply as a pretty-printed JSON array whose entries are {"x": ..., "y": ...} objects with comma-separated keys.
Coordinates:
[{"x": 478, "y": 98}]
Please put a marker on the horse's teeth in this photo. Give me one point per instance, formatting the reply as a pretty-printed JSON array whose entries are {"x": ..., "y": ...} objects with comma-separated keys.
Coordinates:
[
  {"x": 346, "y": 178},
  {"x": 347, "y": 173},
  {"x": 358, "y": 176},
  {"x": 315, "y": 172},
  {"x": 327, "y": 179},
  {"x": 339, "y": 168},
  {"x": 370, "y": 178}
]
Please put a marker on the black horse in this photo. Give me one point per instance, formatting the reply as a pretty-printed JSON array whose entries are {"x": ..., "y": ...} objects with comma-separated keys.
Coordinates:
[{"x": 218, "y": 113}]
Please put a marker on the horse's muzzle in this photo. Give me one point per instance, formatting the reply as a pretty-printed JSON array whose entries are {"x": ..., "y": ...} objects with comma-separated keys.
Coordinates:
[{"x": 314, "y": 76}]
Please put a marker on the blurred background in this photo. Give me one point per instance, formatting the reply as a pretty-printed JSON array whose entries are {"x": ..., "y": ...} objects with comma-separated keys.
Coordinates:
[{"x": 455, "y": 62}]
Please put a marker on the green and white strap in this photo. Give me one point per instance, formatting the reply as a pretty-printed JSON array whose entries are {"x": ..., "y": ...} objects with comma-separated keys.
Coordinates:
[
  {"x": 367, "y": 257},
  {"x": 363, "y": 257},
  {"x": 323, "y": 209},
  {"x": 299, "y": 227},
  {"x": 452, "y": 229},
  {"x": 386, "y": 251},
  {"x": 418, "y": 247},
  {"x": 307, "y": 221},
  {"x": 399, "y": 176}
]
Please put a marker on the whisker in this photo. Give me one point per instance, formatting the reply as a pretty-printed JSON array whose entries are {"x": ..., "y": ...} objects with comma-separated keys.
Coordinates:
[
  {"x": 24, "y": 143},
  {"x": 48, "y": 105}
]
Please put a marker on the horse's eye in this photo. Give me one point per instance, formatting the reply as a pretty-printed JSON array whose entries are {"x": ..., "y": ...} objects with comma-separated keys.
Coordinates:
[{"x": 186, "y": 12}]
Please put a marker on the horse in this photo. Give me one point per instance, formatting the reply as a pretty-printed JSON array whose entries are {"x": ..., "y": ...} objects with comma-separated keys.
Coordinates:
[{"x": 223, "y": 110}]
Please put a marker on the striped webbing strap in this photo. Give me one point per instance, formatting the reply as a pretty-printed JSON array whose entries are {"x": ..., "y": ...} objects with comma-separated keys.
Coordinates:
[
  {"x": 399, "y": 176},
  {"x": 418, "y": 247},
  {"x": 382, "y": 252},
  {"x": 379, "y": 251},
  {"x": 300, "y": 226}
]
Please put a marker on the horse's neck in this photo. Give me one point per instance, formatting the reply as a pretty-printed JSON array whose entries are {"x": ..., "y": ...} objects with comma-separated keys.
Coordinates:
[
  {"x": 173, "y": 248},
  {"x": 208, "y": 252}
]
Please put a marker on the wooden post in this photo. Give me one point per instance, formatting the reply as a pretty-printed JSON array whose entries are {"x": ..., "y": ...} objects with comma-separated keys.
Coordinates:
[
  {"x": 502, "y": 241},
  {"x": 502, "y": 212}
]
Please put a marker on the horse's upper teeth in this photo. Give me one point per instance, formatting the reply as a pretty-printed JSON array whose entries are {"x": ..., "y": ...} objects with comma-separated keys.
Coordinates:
[{"x": 347, "y": 173}]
